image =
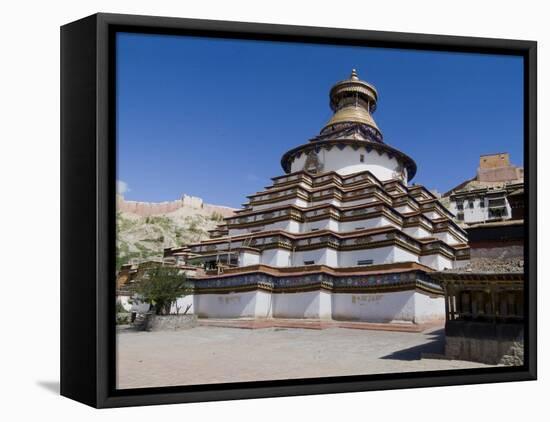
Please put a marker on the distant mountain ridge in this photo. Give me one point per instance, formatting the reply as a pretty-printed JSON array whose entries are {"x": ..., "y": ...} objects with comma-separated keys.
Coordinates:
[
  {"x": 144, "y": 229},
  {"x": 147, "y": 209}
]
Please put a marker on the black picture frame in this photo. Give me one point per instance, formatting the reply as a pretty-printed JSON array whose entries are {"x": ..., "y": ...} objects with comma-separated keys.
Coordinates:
[{"x": 88, "y": 155}]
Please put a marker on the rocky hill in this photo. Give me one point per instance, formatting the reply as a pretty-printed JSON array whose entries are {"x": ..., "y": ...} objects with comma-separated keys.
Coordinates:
[{"x": 142, "y": 235}]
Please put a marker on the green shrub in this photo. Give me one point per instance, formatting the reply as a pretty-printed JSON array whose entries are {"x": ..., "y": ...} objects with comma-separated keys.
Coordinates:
[
  {"x": 161, "y": 286},
  {"x": 216, "y": 216},
  {"x": 120, "y": 308},
  {"x": 122, "y": 319}
]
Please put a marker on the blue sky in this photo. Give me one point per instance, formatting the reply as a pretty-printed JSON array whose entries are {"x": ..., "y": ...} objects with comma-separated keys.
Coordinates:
[{"x": 212, "y": 117}]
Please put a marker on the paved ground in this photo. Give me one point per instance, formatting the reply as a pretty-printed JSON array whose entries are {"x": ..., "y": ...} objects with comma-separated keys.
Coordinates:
[
  {"x": 315, "y": 324},
  {"x": 209, "y": 354}
]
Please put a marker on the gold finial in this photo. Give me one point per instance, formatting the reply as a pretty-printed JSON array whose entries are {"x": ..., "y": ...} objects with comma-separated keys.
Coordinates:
[{"x": 352, "y": 101}]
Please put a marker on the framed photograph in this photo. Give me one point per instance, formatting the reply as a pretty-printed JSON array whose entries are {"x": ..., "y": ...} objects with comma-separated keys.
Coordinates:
[{"x": 253, "y": 210}]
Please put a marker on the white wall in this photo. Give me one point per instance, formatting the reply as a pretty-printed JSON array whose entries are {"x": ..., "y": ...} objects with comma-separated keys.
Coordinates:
[
  {"x": 293, "y": 226},
  {"x": 238, "y": 232},
  {"x": 448, "y": 238},
  {"x": 301, "y": 305},
  {"x": 289, "y": 225},
  {"x": 407, "y": 306},
  {"x": 404, "y": 209},
  {"x": 316, "y": 255},
  {"x": 325, "y": 305},
  {"x": 368, "y": 223},
  {"x": 327, "y": 224},
  {"x": 339, "y": 161},
  {"x": 279, "y": 257},
  {"x": 293, "y": 201},
  {"x": 402, "y": 255},
  {"x": 248, "y": 258},
  {"x": 428, "y": 308},
  {"x": 124, "y": 301},
  {"x": 436, "y": 261},
  {"x": 362, "y": 201},
  {"x": 275, "y": 257},
  {"x": 332, "y": 201},
  {"x": 140, "y": 307},
  {"x": 417, "y": 232},
  {"x": 477, "y": 214},
  {"x": 379, "y": 256},
  {"x": 383, "y": 255},
  {"x": 431, "y": 215},
  {"x": 377, "y": 307},
  {"x": 264, "y": 304},
  {"x": 332, "y": 257},
  {"x": 182, "y": 303},
  {"x": 232, "y": 305},
  {"x": 471, "y": 215}
]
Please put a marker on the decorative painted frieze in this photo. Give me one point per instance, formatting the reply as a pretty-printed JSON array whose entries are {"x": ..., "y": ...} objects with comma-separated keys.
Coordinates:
[{"x": 337, "y": 284}]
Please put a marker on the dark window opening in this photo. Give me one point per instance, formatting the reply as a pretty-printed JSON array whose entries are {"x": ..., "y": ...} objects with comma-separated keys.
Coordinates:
[
  {"x": 498, "y": 212},
  {"x": 365, "y": 262},
  {"x": 497, "y": 202}
]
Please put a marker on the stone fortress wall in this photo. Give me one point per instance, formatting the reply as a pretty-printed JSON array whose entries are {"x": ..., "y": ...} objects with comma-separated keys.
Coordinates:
[{"x": 147, "y": 209}]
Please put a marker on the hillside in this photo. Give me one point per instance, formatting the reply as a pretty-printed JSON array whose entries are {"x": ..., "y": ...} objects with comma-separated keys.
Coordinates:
[{"x": 143, "y": 237}]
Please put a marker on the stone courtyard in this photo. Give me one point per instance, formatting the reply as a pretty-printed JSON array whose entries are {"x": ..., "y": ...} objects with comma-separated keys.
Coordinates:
[{"x": 212, "y": 354}]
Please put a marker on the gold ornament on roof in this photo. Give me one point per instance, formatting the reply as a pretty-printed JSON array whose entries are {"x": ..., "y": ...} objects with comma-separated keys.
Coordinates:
[{"x": 353, "y": 101}]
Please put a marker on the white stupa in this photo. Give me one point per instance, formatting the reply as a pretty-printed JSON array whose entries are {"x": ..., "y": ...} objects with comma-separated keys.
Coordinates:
[{"x": 341, "y": 235}]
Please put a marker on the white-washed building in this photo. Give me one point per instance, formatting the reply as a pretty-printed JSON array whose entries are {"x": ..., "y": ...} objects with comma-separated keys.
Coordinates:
[
  {"x": 491, "y": 195},
  {"x": 341, "y": 235}
]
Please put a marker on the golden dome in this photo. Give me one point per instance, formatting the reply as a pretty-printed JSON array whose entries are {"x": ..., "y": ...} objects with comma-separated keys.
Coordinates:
[
  {"x": 352, "y": 114},
  {"x": 353, "y": 101}
]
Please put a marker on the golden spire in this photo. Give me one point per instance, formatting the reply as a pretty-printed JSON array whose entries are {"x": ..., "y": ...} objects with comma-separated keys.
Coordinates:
[{"x": 353, "y": 101}]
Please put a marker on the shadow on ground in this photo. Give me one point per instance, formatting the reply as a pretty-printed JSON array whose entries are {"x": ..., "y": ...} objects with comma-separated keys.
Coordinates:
[
  {"x": 435, "y": 345},
  {"x": 51, "y": 386}
]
